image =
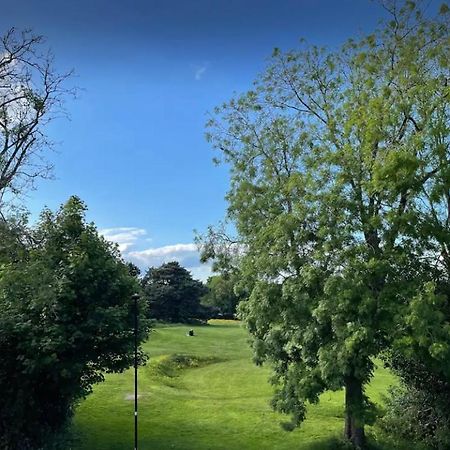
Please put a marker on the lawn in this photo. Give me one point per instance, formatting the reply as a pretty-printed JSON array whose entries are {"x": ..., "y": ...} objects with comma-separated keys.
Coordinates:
[{"x": 213, "y": 398}]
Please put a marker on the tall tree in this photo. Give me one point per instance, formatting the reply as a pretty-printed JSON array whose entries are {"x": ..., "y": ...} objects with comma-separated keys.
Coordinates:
[
  {"x": 32, "y": 93},
  {"x": 172, "y": 294},
  {"x": 67, "y": 317},
  {"x": 332, "y": 156}
]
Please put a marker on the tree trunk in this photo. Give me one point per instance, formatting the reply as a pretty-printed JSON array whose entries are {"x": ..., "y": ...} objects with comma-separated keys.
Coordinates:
[{"x": 354, "y": 409}]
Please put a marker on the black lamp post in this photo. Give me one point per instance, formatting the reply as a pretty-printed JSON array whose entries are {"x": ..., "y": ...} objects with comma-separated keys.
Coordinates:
[{"x": 135, "y": 297}]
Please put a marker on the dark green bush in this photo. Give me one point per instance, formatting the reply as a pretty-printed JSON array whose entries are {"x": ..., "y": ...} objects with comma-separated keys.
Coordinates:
[{"x": 419, "y": 409}]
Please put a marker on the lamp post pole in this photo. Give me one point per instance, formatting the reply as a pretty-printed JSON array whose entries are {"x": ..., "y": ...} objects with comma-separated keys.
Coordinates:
[{"x": 135, "y": 297}]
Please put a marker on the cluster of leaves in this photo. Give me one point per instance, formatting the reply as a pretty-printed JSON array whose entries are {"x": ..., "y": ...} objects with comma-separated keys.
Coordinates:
[
  {"x": 172, "y": 294},
  {"x": 67, "y": 317}
]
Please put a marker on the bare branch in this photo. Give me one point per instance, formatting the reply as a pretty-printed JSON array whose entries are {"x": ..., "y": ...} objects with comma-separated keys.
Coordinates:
[{"x": 32, "y": 93}]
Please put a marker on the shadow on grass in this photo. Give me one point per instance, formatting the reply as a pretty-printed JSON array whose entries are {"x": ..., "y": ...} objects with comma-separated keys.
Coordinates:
[
  {"x": 212, "y": 323},
  {"x": 339, "y": 444},
  {"x": 326, "y": 444},
  {"x": 231, "y": 323},
  {"x": 381, "y": 444}
]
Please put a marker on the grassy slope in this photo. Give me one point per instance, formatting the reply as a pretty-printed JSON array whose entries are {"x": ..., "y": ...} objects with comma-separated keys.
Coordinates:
[{"x": 223, "y": 404}]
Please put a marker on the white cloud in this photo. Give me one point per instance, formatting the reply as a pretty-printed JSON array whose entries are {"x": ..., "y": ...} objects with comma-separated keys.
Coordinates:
[
  {"x": 175, "y": 249},
  {"x": 125, "y": 237},
  {"x": 130, "y": 239},
  {"x": 199, "y": 72},
  {"x": 186, "y": 254},
  {"x": 201, "y": 272}
]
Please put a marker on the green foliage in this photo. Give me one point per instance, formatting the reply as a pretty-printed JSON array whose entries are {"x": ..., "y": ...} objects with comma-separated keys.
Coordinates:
[
  {"x": 415, "y": 416},
  {"x": 339, "y": 193},
  {"x": 67, "y": 317},
  {"x": 172, "y": 294},
  {"x": 419, "y": 410},
  {"x": 133, "y": 270},
  {"x": 221, "y": 294},
  {"x": 14, "y": 237}
]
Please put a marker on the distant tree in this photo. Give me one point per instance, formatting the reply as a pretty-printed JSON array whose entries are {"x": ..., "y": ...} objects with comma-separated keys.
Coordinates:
[
  {"x": 172, "y": 294},
  {"x": 221, "y": 294},
  {"x": 31, "y": 95},
  {"x": 336, "y": 158},
  {"x": 66, "y": 319},
  {"x": 133, "y": 270}
]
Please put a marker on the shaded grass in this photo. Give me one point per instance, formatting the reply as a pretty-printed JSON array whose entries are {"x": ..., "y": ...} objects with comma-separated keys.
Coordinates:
[{"x": 204, "y": 392}]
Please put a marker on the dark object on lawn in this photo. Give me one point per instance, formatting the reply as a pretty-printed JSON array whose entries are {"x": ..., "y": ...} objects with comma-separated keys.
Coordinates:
[{"x": 191, "y": 332}]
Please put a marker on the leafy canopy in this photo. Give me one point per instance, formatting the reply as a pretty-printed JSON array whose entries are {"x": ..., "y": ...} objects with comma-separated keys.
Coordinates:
[
  {"x": 221, "y": 294},
  {"x": 339, "y": 191},
  {"x": 172, "y": 294}
]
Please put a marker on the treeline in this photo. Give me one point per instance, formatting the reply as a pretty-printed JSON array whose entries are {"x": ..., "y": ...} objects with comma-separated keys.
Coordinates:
[{"x": 172, "y": 295}]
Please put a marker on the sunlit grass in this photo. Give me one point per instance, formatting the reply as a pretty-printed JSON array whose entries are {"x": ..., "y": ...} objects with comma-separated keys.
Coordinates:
[{"x": 215, "y": 398}]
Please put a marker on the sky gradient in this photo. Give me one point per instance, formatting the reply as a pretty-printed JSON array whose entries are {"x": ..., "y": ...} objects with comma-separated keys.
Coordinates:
[{"x": 149, "y": 71}]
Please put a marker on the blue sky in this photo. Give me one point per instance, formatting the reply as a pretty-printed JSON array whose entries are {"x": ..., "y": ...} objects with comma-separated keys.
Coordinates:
[{"x": 134, "y": 148}]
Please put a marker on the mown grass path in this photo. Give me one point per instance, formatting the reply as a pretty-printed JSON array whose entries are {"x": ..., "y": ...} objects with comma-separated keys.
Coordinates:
[{"x": 214, "y": 399}]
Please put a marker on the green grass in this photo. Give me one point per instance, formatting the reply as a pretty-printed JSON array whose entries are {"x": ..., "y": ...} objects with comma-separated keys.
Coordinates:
[{"x": 213, "y": 397}]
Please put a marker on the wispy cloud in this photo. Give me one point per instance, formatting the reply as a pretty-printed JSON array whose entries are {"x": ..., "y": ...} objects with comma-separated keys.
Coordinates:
[
  {"x": 162, "y": 252},
  {"x": 125, "y": 237},
  {"x": 199, "y": 70}
]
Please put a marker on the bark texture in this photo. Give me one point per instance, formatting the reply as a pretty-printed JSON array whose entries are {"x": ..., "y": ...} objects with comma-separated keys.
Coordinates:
[{"x": 354, "y": 411}]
